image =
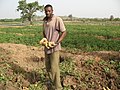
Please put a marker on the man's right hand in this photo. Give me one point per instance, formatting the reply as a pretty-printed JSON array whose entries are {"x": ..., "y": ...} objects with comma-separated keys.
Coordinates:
[{"x": 47, "y": 44}]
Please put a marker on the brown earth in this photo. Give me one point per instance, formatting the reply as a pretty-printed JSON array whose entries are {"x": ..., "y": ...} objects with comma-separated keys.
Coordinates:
[{"x": 27, "y": 59}]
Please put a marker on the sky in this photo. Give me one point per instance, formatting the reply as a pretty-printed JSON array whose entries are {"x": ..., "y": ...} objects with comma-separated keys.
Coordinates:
[{"x": 78, "y": 8}]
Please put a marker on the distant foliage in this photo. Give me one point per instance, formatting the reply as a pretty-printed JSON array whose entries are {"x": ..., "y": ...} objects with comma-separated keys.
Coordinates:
[
  {"x": 70, "y": 16},
  {"x": 10, "y": 20},
  {"x": 111, "y": 17}
]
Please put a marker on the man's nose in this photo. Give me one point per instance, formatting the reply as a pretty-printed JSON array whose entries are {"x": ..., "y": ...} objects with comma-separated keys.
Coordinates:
[{"x": 47, "y": 12}]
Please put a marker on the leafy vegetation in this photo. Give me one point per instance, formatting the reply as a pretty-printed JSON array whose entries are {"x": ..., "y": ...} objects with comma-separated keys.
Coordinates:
[
  {"x": 92, "y": 37},
  {"x": 83, "y": 37},
  {"x": 26, "y": 35}
]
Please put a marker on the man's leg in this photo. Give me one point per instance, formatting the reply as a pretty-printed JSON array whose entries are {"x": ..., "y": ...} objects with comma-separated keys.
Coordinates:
[
  {"x": 48, "y": 69},
  {"x": 47, "y": 62},
  {"x": 55, "y": 71}
]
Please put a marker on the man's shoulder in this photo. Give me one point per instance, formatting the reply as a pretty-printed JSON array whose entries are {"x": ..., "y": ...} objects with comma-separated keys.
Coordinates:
[{"x": 58, "y": 18}]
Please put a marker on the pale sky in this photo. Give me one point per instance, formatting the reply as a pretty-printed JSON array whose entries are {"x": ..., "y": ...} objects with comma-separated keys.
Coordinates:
[{"x": 78, "y": 8}]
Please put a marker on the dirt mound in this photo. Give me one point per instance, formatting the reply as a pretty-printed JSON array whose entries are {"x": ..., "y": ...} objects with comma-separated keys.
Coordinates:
[
  {"x": 28, "y": 57},
  {"x": 22, "y": 66},
  {"x": 18, "y": 66}
]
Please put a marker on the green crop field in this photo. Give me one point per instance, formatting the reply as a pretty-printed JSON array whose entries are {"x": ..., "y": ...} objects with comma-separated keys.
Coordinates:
[
  {"x": 93, "y": 37},
  {"x": 82, "y": 37}
]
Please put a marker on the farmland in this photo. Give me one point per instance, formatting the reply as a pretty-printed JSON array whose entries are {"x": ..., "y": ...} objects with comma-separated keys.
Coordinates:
[
  {"x": 83, "y": 37},
  {"x": 89, "y": 58}
]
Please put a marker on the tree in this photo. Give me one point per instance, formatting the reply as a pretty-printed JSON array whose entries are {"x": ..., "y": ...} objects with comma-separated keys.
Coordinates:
[
  {"x": 28, "y": 10},
  {"x": 111, "y": 17},
  {"x": 70, "y": 16}
]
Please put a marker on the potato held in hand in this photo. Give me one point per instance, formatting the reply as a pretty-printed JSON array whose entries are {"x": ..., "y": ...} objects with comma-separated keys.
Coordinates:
[
  {"x": 44, "y": 42},
  {"x": 47, "y": 44},
  {"x": 51, "y": 44}
]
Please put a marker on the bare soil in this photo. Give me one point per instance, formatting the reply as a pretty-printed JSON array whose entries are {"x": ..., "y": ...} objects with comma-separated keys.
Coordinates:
[{"x": 27, "y": 59}]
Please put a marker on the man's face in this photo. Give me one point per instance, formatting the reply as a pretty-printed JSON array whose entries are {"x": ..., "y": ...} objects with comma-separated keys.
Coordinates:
[{"x": 48, "y": 11}]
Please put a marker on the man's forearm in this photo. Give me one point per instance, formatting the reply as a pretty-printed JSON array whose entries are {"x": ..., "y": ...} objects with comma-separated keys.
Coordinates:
[
  {"x": 44, "y": 34},
  {"x": 62, "y": 36}
]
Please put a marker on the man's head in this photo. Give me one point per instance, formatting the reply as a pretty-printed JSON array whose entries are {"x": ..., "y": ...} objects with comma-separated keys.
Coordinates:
[{"x": 48, "y": 10}]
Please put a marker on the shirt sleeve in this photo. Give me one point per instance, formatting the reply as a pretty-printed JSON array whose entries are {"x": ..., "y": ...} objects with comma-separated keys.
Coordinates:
[{"x": 61, "y": 25}]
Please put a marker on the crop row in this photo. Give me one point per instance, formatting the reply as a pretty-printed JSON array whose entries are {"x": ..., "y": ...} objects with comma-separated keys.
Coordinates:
[{"x": 83, "y": 37}]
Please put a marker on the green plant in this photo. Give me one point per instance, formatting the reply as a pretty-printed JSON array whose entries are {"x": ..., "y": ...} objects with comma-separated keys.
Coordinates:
[
  {"x": 67, "y": 88},
  {"x": 89, "y": 62},
  {"x": 106, "y": 69},
  {"x": 102, "y": 63},
  {"x": 37, "y": 86},
  {"x": 2, "y": 78},
  {"x": 118, "y": 67},
  {"x": 67, "y": 67}
]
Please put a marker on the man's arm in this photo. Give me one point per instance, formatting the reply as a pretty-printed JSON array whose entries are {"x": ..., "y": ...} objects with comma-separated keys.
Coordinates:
[
  {"x": 44, "y": 34},
  {"x": 44, "y": 31},
  {"x": 62, "y": 36}
]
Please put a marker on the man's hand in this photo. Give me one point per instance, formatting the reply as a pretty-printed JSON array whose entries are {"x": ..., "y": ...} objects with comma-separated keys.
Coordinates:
[
  {"x": 47, "y": 44},
  {"x": 51, "y": 44},
  {"x": 44, "y": 42}
]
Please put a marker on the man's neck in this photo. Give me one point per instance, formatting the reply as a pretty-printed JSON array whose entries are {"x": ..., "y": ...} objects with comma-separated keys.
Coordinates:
[{"x": 48, "y": 18}]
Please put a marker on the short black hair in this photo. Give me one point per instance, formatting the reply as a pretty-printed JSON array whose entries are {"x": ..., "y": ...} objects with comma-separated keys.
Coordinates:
[{"x": 48, "y": 5}]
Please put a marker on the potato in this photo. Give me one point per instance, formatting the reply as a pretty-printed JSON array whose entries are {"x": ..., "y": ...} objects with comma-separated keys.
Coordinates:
[
  {"x": 47, "y": 44},
  {"x": 51, "y": 44}
]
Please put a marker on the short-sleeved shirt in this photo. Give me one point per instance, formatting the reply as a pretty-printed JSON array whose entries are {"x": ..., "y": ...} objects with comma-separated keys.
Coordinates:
[{"x": 52, "y": 31}]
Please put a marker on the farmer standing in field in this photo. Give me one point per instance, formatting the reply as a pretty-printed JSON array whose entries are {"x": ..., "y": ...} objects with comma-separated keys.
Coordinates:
[{"x": 54, "y": 31}]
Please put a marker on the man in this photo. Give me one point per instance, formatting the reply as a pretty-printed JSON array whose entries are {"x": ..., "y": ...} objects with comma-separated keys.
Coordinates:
[{"x": 54, "y": 31}]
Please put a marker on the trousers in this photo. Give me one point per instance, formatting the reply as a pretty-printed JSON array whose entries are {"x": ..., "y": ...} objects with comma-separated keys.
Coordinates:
[{"x": 52, "y": 68}]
